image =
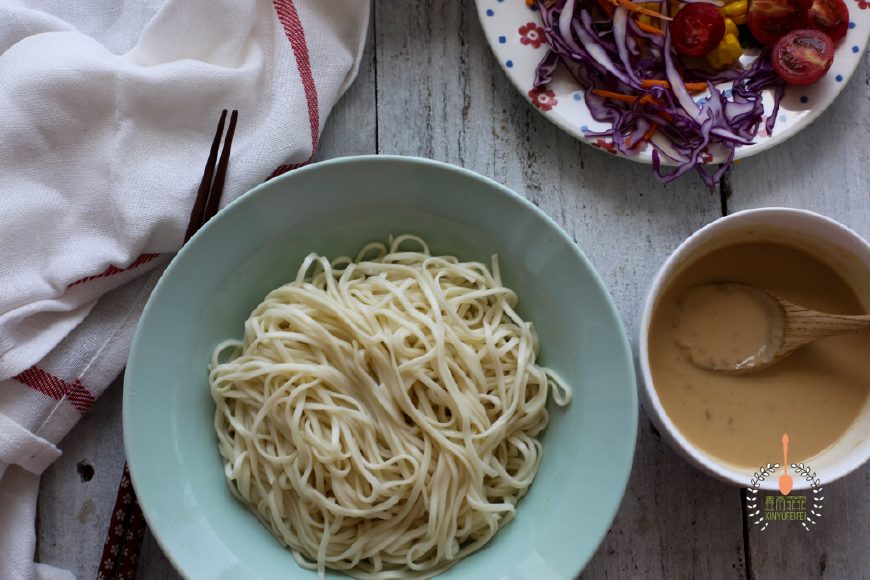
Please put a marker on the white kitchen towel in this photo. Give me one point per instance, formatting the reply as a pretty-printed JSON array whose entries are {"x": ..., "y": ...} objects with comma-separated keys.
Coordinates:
[{"x": 107, "y": 112}]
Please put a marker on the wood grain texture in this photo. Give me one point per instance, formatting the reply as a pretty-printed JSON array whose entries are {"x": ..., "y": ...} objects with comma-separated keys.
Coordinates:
[
  {"x": 835, "y": 548},
  {"x": 351, "y": 128},
  {"x": 77, "y": 493},
  {"x": 442, "y": 95},
  {"x": 821, "y": 169}
]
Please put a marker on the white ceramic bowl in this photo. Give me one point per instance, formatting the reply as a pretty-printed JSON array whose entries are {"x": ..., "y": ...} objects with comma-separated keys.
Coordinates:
[
  {"x": 846, "y": 251},
  {"x": 334, "y": 207}
]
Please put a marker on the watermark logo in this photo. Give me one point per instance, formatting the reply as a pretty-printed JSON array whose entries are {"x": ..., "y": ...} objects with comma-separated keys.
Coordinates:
[{"x": 772, "y": 508}]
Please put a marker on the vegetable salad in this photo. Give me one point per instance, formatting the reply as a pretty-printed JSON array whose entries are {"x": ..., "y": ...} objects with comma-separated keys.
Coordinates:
[{"x": 667, "y": 74}]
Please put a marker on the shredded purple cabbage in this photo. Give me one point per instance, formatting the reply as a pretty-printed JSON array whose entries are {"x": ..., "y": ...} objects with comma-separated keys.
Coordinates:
[{"x": 614, "y": 54}]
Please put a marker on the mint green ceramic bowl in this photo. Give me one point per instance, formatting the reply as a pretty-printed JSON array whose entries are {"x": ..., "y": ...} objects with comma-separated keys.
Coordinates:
[{"x": 257, "y": 243}]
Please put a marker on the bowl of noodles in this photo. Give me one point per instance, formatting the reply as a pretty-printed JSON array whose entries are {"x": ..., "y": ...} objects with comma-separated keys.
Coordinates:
[{"x": 380, "y": 367}]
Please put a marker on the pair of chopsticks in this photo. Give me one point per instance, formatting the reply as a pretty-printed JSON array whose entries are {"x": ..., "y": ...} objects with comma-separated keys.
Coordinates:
[
  {"x": 127, "y": 526},
  {"x": 212, "y": 186}
]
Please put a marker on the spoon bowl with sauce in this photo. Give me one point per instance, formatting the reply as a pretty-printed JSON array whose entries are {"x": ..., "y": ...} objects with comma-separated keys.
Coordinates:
[{"x": 739, "y": 328}]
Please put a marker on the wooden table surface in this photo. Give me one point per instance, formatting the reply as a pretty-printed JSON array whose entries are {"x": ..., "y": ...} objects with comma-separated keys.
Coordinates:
[{"x": 429, "y": 86}]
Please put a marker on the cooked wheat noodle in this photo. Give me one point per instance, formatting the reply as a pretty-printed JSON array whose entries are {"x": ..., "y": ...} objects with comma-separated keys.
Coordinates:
[{"x": 381, "y": 415}]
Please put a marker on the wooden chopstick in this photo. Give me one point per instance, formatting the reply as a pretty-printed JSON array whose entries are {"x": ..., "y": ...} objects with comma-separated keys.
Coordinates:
[
  {"x": 205, "y": 185},
  {"x": 211, "y": 187},
  {"x": 217, "y": 186},
  {"x": 127, "y": 525}
]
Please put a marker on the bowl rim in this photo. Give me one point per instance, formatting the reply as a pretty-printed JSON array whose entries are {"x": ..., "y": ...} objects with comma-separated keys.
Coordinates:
[
  {"x": 652, "y": 402},
  {"x": 172, "y": 553}
]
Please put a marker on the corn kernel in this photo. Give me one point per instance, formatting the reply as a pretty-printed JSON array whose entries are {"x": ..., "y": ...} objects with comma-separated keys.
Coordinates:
[
  {"x": 739, "y": 19},
  {"x": 728, "y": 52},
  {"x": 736, "y": 8},
  {"x": 731, "y": 27}
]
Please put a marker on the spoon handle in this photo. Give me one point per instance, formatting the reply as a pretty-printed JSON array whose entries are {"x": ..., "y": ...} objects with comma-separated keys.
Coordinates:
[{"x": 804, "y": 326}]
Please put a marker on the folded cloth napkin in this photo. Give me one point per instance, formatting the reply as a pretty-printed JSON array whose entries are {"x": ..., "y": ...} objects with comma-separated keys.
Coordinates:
[{"x": 107, "y": 112}]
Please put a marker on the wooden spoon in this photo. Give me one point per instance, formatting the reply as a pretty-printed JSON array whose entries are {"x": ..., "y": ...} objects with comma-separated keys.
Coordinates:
[
  {"x": 786, "y": 483},
  {"x": 789, "y": 327}
]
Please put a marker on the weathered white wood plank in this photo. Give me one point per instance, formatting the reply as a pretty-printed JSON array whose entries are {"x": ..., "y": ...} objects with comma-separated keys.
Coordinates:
[
  {"x": 835, "y": 548},
  {"x": 349, "y": 130},
  {"x": 77, "y": 492},
  {"x": 821, "y": 169},
  {"x": 442, "y": 95}
]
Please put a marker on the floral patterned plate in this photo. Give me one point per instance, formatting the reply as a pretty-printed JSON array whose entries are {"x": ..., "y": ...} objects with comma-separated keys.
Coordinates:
[{"x": 515, "y": 33}]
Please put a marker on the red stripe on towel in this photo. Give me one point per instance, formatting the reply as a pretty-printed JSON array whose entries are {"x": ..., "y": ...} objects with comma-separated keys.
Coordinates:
[
  {"x": 289, "y": 18},
  {"x": 143, "y": 259},
  {"x": 56, "y": 388}
]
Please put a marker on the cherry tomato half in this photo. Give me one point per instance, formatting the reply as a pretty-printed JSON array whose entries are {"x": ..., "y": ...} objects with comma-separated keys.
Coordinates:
[
  {"x": 697, "y": 29},
  {"x": 829, "y": 16},
  {"x": 802, "y": 57},
  {"x": 770, "y": 20}
]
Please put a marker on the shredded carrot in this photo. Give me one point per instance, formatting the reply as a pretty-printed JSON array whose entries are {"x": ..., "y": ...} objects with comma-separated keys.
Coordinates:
[
  {"x": 645, "y": 137},
  {"x": 646, "y": 99},
  {"x": 691, "y": 87},
  {"x": 607, "y": 6},
  {"x": 649, "y": 132},
  {"x": 649, "y": 28},
  {"x": 632, "y": 7}
]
